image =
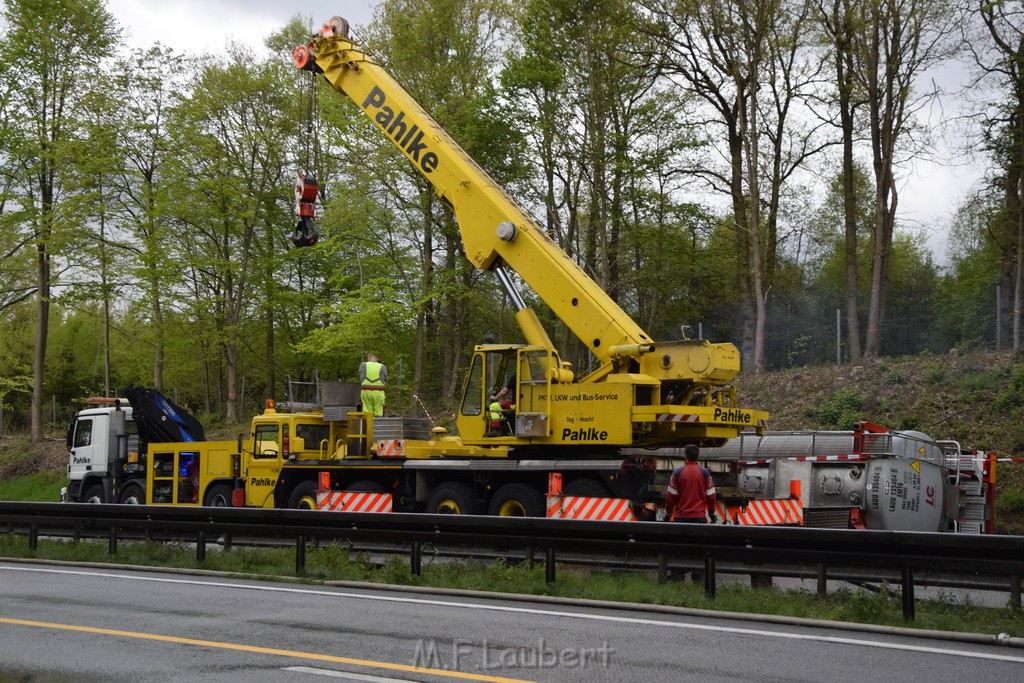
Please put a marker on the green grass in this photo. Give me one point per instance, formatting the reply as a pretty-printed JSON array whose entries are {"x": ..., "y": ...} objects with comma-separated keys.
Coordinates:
[
  {"x": 336, "y": 563},
  {"x": 41, "y": 487}
]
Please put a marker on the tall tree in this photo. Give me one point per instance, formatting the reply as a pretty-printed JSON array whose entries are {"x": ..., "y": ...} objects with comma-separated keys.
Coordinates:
[
  {"x": 235, "y": 173},
  {"x": 146, "y": 85},
  {"x": 895, "y": 43},
  {"x": 742, "y": 59},
  {"x": 999, "y": 53},
  {"x": 50, "y": 46},
  {"x": 838, "y": 19},
  {"x": 607, "y": 135}
]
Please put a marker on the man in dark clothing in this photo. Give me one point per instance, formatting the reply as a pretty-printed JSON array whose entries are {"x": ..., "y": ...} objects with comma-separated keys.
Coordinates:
[
  {"x": 691, "y": 498},
  {"x": 509, "y": 388},
  {"x": 691, "y": 492}
]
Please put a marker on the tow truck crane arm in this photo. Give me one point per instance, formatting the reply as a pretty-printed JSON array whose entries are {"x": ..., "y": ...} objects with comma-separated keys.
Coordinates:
[{"x": 497, "y": 232}]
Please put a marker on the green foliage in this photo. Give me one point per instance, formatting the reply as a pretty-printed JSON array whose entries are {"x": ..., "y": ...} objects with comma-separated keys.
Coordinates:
[
  {"x": 982, "y": 384},
  {"x": 936, "y": 373},
  {"x": 1011, "y": 393},
  {"x": 1011, "y": 499},
  {"x": 910, "y": 422},
  {"x": 41, "y": 487},
  {"x": 841, "y": 410}
]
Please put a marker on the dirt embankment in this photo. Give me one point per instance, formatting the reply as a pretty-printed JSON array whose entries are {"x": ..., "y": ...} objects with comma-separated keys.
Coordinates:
[
  {"x": 976, "y": 398},
  {"x": 19, "y": 456}
]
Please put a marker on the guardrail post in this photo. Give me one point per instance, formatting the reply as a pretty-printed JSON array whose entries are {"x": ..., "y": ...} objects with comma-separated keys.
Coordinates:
[
  {"x": 300, "y": 554},
  {"x": 710, "y": 580},
  {"x": 33, "y": 536},
  {"x": 549, "y": 566},
  {"x": 822, "y": 580},
  {"x": 112, "y": 545},
  {"x": 201, "y": 546},
  {"x": 1015, "y": 593},
  {"x": 529, "y": 557},
  {"x": 76, "y": 534},
  {"x": 227, "y": 542},
  {"x": 416, "y": 558},
  {"x": 662, "y": 569},
  {"x": 10, "y": 528},
  {"x": 908, "y": 594}
]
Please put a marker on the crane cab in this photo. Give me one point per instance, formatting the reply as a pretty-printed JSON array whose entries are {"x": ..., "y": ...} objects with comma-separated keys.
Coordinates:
[{"x": 528, "y": 372}]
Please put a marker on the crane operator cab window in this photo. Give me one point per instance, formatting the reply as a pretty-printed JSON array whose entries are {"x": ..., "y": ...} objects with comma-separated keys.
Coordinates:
[{"x": 490, "y": 373}]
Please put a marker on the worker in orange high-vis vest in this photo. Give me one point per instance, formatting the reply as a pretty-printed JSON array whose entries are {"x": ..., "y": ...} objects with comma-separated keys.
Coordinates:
[{"x": 373, "y": 376}]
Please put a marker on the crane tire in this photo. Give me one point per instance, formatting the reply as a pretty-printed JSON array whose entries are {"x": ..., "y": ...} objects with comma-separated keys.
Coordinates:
[
  {"x": 218, "y": 496},
  {"x": 518, "y": 500},
  {"x": 454, "y": 498},
  {"x": 303, "y": 496}
]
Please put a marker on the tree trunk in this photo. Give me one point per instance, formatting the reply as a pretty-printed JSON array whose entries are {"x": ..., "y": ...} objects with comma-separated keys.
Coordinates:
[
  {"x": 426, "y": 280},
  {"x": 42, "y": 329},
  {"x": 842, "y": 33},
  {"x": 1018, "y": 284}
]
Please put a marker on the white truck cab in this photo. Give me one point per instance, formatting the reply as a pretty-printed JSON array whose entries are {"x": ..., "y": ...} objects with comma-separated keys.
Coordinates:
[{"x": 104, "y": 464}]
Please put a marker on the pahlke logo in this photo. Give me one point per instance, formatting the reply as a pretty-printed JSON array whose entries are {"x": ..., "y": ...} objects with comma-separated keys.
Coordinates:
[{"x": 409, "y": 139}]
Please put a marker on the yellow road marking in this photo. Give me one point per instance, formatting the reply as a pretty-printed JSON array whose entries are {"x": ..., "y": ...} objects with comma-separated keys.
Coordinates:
[{"x": 265, "y": 650}]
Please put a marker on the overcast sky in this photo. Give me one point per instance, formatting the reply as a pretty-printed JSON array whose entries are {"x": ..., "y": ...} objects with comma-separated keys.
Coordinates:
[
  {"x": 198, "y": 26},
  {"x": 928, "y": 195}
]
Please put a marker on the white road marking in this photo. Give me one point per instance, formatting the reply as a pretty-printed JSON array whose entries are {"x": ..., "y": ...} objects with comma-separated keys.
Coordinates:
[
  {"x": 537, "y": 611},
  {"x": 331, "y": 673}
]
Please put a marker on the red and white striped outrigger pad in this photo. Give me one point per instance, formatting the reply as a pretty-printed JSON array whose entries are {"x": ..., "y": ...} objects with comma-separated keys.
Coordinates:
[
  {"x": 390, "y": 448},
  {"x": 353, "y": 501},
  {"x": 764, "y": 512},
  {"x": 588, "y": 507}
]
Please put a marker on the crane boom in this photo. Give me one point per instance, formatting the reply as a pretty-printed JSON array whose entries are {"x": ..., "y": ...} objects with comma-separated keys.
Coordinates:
[{"x": 661, "y": 378}]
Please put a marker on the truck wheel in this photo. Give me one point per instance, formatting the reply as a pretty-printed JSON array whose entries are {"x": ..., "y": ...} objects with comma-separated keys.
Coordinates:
[
  {"x": 93, "y": 494},
  {"x": 303, "y": 496},
  {"x": 517, "y": 500},
  {"x": 218, "y": 496},
  {"x": 586, "y": 487},
  {"x": 453, "y": 498},
  {"x": 133, "y": 494}
]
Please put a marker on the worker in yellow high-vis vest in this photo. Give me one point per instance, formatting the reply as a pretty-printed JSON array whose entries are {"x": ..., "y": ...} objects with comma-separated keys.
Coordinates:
[{"x": 373, "y": 376}]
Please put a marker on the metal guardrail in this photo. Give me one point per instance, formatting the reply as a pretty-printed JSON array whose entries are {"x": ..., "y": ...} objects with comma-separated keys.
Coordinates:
[{"x": 903, "y": 552}]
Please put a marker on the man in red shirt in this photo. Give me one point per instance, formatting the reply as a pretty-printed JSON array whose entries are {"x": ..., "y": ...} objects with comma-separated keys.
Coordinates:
[{"x": 691, "y": 492}]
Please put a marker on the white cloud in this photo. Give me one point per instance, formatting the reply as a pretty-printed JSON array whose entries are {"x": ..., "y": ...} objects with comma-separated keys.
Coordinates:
[{"x": 199, "y": 26}]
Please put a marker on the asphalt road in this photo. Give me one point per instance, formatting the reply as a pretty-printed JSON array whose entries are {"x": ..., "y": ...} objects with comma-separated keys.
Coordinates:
[{"x": 80, "y": 624}]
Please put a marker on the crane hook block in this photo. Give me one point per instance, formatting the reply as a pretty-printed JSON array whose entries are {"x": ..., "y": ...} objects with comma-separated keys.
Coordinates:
[
  {"x": 305, "y": 189},
  {"x": 305, "y": 233}
]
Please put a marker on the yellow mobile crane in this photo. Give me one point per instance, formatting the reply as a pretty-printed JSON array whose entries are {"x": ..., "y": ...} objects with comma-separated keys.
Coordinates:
[
  {"x": 643, "y": 392},
  {"x": 590, "y": 442}
]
